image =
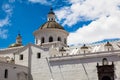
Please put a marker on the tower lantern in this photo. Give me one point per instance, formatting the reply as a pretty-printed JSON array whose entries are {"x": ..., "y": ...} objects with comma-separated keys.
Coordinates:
[
  {"x": 51, "y": 15},
  {"x": 19, "y": 39}
]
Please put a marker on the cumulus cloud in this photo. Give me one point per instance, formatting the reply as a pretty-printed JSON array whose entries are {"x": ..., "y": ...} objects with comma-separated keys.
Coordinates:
[
  {"x": 86, "y": 10},
  {"x": 7, "y": 9},
  {"x": 3, "y": 34},
  {"x": 103, "y": 28},
  {"x": 44, "y": 2},
  {"x": 53, "y": 3},
  {"x": 105, "y": 16},
  {"x": 4, "y": 22}
]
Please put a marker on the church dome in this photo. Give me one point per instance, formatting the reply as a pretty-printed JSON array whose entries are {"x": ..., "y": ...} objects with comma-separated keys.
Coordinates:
[
  {"x": 52, "y": 25},
  {"x": 15, "y": 45},
  {"x": 18, "y": 41}
]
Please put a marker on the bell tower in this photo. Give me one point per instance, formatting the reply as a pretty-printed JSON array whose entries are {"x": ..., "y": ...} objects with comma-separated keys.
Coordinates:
[{"x": 106, "y": 70}]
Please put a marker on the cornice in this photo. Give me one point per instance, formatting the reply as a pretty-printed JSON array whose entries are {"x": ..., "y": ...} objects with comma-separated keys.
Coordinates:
[{"x": 46, "y": 30}]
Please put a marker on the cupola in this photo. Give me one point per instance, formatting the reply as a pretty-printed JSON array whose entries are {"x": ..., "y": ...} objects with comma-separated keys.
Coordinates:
[
  {"x": 18, "y": 41},
  {"x": 51, "y": 15},
  {"x": 84, "y": 48},
  {"x": 108, "y": 46}
]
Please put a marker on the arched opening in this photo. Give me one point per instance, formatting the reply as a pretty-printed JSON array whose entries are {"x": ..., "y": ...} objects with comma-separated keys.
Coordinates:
[
  {"x": 42, "y": 40},
  {"x": 59, "y": 39},
  {"x": 6, "y": 73},
  {"x": 106, "y": 78},
  {"x": 50, "y": 39},
  {"x": 51, "y": 19},
  {"x": 105, "y": 61}
]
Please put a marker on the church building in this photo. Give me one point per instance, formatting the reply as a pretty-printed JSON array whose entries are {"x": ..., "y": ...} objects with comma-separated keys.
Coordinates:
[{"x": 50, "y": 58}]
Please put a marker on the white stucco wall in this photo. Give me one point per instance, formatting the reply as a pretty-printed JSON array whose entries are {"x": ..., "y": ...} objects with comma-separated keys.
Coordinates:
[
  {"x": 9, "y": 52},
  {"x": 13, "y": 71},
  {"x": 39, "y": 65},
  {"x": 23, "y": 62},
  {"x": 73, "y": 68},
  {"x": 68, "y": 67},
  {"x": 81, "y": 69}
]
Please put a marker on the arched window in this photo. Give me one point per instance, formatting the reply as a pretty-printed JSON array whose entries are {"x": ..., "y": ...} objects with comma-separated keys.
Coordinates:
[
  {"x": 105, "y": 61},
  {"x": 6, "y": 73},
  {"x": 38, "y": 55},
  {"x": 106, "y": 78},
  {"x": 50, "y": 39},
  {"x": 51, "y": 19},
  {"x": 42, "y": 40},
  {"x": 59, "y": 39},
  {"x": 65, "y": 41}
]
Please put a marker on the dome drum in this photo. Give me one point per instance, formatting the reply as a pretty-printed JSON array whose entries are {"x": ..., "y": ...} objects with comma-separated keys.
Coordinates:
[{"x": 48, "y": 36}]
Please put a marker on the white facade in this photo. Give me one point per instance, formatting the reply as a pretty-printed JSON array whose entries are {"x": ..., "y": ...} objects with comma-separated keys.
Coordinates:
[
  {"x": 10, "y": 71},
  {"x": 65, "y": 65}
]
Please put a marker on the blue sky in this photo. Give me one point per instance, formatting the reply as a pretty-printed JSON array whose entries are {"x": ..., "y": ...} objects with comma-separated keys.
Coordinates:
[{"x": 86, "y": 20}]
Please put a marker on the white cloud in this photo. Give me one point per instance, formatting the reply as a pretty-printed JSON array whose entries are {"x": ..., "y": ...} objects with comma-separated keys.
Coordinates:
[
  {"x": 4, "y": 22},
  {"x": 86, "y": 10},
  {"x": 3, "y": 34},
  {"x": 45, "y": 2},
  {"x": 7, "y": 8},
  {"x": 105, "y": 16},
  {"x": 103, "y": 28}
]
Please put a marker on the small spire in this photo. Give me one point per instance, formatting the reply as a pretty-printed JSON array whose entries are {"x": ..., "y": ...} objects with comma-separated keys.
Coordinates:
[
  {"x": 19, "y": 35},
  {"x": 51, "y": 11},
  {"x": 19, "y": 39},
  {"x": 51, "y": 15}
]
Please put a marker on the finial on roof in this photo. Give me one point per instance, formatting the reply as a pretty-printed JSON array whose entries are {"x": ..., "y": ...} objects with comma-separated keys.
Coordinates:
[
  {"x": 51, "y": 11},
  {"x": 84, "y": 47},
  {"x": 19, "y": 35},
  {"x": 18, "y": 32},
  {"x": 108, "y": 44}
]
